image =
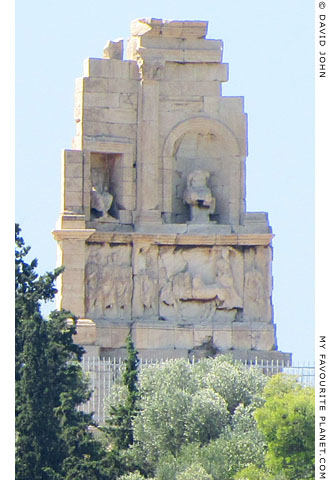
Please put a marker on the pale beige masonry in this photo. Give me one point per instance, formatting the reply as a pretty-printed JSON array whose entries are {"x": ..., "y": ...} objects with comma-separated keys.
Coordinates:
[{"x": 153, "y": 231}]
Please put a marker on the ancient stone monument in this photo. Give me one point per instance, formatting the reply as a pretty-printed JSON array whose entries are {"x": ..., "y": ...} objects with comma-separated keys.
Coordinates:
[{"x": 153, "y": 232}]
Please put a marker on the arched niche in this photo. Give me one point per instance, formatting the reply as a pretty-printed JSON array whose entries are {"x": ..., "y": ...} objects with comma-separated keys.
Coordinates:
[{"x": 208, "y": 144}]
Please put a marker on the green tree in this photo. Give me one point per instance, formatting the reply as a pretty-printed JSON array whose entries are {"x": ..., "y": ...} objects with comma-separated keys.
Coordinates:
[
  {"x": 287, "y": 422},
  {"x": 182, "y": 403},
  {"x": 254, "y": 473},
  {"x": 194, "y": 472},
  {"x": 237, "y": 446},
  {"x": 53, "y": 438},
  {"x": 119, "y": 427},
  {"x": 133, "y": 476}
]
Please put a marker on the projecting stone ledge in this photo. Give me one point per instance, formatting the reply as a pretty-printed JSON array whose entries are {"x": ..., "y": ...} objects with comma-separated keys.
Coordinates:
[
  {"x": 246, "y": 342},
  {"x": 180, "y": 239},
  {"x": 154, "y": 27}
]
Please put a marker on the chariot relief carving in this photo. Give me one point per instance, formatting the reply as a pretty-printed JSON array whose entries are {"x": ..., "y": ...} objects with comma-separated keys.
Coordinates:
[{"x": 186, "y": 291}]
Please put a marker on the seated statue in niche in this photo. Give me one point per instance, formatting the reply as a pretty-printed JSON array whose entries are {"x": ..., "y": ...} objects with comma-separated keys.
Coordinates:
[
  {"x": 199, "y": 197},
  {"x": 101, "y": 198}
]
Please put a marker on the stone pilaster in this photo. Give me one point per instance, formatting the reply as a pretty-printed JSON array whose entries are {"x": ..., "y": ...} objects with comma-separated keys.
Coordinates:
[
  {"x": 148, "y": 143},
  {"x": 71, "y": 255}
]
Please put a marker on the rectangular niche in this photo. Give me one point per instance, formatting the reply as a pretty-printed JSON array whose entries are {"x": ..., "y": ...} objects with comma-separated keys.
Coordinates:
[{"x": 111, "y": 177}]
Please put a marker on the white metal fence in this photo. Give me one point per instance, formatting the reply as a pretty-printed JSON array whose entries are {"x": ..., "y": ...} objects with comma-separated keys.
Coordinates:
[{"x": 103, "y": 372}]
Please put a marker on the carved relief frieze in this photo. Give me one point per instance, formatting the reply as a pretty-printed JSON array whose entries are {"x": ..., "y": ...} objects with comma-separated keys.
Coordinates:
[
  {"x": 258, "y": 284},
  {"x": 178, "y": 283},
  {"x": 109, "y": 282},
  {"x": 199, "y": 281},
  {"x": 145, "y": 261}
]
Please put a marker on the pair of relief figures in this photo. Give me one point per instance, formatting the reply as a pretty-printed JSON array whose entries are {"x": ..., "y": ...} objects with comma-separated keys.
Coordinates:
[
  {"x": 197, "y": 195},
  {"x": 109, "y": 282}
]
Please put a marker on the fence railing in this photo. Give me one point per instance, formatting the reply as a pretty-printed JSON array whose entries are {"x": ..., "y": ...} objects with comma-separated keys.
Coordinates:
[{"x": 103, "y": 373}]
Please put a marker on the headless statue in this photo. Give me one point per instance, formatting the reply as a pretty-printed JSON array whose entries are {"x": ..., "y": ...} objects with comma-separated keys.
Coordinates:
[
  {"x": 101, "y": 199},
  {"x": 199, "y": 197}
]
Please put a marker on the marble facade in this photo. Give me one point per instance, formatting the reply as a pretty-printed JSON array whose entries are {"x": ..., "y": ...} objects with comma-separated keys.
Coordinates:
[{"x": 153, "y": 231}]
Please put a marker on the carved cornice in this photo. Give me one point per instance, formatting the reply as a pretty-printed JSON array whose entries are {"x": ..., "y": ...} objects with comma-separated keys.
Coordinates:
[
  {"x": 177, "y": 239},
  {"x": 73, "y": 234}
]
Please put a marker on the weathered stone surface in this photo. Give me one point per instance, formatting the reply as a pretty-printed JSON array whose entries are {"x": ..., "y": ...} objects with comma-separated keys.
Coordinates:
[
  {"x": 114, "y": 50},
  {"x": 193, "y": 72},
  {"x": 166, "y": 28},
  {"x": 86, "y": 332},
  {"x": 106, "y": 68},
  {"x": 154, "y": 232}
]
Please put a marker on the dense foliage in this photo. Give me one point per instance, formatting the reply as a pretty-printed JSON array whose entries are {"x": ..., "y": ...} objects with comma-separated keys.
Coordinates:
[
  {"x": 213, "y": 420},
  {"x": 287, "y": 422},
  {"x": 53, "y": 440},
  {"x": 195, "y": 416}
]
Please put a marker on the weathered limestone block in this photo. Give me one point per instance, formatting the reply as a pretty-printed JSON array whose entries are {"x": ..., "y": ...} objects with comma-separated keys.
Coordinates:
[
  {"x": 119, "y": 130},
  {"x": 154, "y": 27},
  {"x": 93, "y": 85},
  {"x": 180, "y": 56},
  {"x": 86, "y": 332},
  {"x": 70, "y": 221},
  {"x": 194, "y": 72},
  {"x": 110, "y": 115},
  {"x": 253, "y": 337},
  {"x": 159, "y": 338},
  {"x": 106, "y": 68},
  {"x": 113, "y": 338},
  {"x": 109, "y": 85},
  {"x": 177, "y": 43},
  {"x": 72, "y": 181},
  {"x": 189, "y": 88},
  {"x": 128, "y": 100},
  {"x": 223, "y": 338},
  {"x": 177, "y": 104},
  {"x": 162, "y": 353},
  {"x": 101, "y": 99},
  {"x": 183, "y": 338},
  {"x": 114, "y": 50}
]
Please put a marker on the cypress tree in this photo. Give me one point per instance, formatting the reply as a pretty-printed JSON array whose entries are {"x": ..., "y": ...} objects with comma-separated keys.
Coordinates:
[{"x": 119, "y": 426}]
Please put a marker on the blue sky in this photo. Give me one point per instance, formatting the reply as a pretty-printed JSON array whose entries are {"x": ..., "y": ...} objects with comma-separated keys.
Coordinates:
[{"x": 270, "y": 50}]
